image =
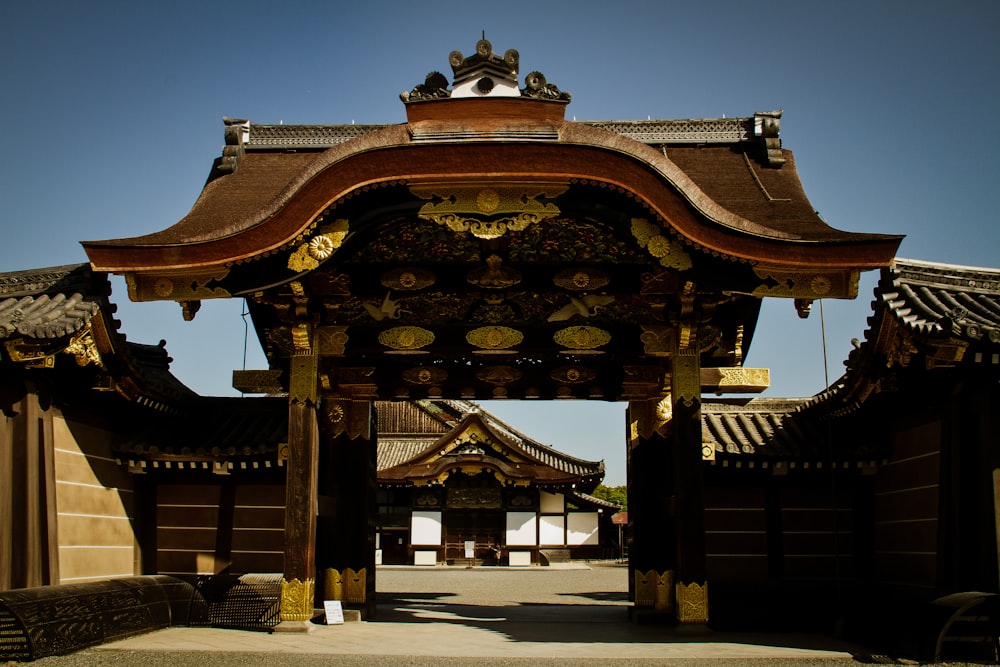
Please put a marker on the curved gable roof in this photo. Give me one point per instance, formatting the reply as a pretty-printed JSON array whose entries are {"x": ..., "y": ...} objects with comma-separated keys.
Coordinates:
[{"x": 718, "y": 193}]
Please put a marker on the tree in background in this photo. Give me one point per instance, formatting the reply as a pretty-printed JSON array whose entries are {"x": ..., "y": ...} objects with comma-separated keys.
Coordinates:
[{"x": 614, "y": 494}]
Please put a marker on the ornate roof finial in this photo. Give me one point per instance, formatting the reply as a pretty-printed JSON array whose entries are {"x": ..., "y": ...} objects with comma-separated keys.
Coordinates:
[{"x": 484, "y": 74}]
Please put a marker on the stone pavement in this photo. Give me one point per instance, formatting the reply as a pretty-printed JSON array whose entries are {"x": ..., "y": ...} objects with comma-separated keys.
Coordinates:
[{"x": 493, "y": 616}]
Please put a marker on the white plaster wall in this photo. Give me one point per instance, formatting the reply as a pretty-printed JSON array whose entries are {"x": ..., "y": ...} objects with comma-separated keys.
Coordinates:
[
  {"x": 521, "y": 529},
  {"x": 581, "y": 528},
  {"x": 552, "y": 530},
  {"x": 425, "y": 528}
]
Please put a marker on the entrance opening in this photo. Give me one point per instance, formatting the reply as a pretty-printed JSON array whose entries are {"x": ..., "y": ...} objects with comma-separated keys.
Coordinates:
[{"x": 482, "y": 546}]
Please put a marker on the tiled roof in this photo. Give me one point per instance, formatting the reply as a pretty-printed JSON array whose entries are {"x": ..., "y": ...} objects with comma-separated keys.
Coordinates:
[
  {"x": 654, "y": 132},
  {"x": 586, "y": 500},
  {"x": 943, "y": 299},
  {"x": 722, "y": 164},
  {"x": 215, "y": 428},
  {"x": 782, "y": 433},
  {"x": 396, "y": 449},
  {"x": 941, "y": 307},
  {"x": 760, "y": 427},
  {"x": 48, "y": 303}
]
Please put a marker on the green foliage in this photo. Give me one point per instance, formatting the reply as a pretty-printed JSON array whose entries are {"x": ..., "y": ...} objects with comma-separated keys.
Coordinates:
[{"x": 614, "y": 494}]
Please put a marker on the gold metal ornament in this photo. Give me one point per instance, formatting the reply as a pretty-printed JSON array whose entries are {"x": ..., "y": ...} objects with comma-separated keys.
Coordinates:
[
  {"x": 494, "y": 338},
  {"x": 654, "y": 590},
  {"x": 406, "y": 338},
  {"x": 669, "y": 252},
  {"x": 692, "y": 602},
  {"x": 581, "y": 279},
  {"x": 297, "y": 599},
  {"x": 582, "y": 338},
  {"x": 488, "y": 211}
]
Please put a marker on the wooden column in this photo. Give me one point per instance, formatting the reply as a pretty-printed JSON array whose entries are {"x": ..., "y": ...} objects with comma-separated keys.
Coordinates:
[
  {"x": 689, "y": 483},
  {"x": 651, "y": 534},
  {"x": 346, "y": 543},
  {"x": 299, "y": 582}
]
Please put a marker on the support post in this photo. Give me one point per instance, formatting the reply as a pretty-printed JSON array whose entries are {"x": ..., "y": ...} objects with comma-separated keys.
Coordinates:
[
  {"x": 299, "y": 579},
  {"x": 686, "y": 441},
  {"x": 346, "y": 545},
  {"x": 651, "y": 530}
]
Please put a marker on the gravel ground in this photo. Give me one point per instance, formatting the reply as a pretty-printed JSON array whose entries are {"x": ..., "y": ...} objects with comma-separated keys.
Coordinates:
[{"x": 563, "y": 605}]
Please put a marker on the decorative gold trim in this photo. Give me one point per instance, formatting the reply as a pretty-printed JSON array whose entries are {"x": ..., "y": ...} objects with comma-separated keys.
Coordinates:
[
  {"x": 692, "y": 602},
  {"x": 581, "y": 279},
  {"x": 424, "y": 375},
  {"x": 406, "y": 338},
  {"x": 507, "y": 207},
  {"x": 320, "y": 247},
  {"x": 657, "y": 341},
  {"x": 176, "y": 287},
  {"x": 303, "y": 384},
  {"x": 499, "y": 375},
  {"x": 494, "y": 275},
  {"x": 669, "y": 252},
  {"x": 685, "y": 378},
  {"x": 297, "y": 599},
  {"x": 83, "y": 346},
  {"x": 653, "y": 589},
  {"x": 806, "y": 285},
  {"x": 407, "y": 279},
  {"x": 582, "y": 338},
  {"x": 331, "y": 341},
  {"x": 573, "y": 374},
  {"x": 744, "y": 377},
  {"x": 351, "y": 586},
  {"x": 494, "y": 338}
]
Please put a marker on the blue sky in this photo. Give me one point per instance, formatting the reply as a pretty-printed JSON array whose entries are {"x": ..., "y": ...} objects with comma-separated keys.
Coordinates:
[{"x": 112, "y": 113}]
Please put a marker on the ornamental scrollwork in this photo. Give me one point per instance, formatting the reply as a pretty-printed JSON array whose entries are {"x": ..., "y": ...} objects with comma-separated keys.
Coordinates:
[
  {"x": 83, "y": 346},
  {"x": 319, "y": 248},
  {"x": 406, "y": 338},
  {"x": 488, "y": 211},
  {"x": 494, "y": 338},
  {"x": 582, "y": 338},
  {"x": 669, "y": 252},
  {"x": 297, "y": 599},
  {"x": 692, "y": 602}
]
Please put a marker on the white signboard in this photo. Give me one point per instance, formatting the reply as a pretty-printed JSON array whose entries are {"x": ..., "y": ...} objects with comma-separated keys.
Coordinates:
[
  {"x": 470, "y": 549},
  {"x": 334, "y": 612}
]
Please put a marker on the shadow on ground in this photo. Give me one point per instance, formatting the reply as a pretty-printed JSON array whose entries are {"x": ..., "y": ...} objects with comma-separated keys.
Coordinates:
[{"x": 605, "y": 623}]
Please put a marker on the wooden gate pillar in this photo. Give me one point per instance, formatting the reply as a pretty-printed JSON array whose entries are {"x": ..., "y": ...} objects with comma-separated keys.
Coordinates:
[
  {"x": 299, "y": 580},
  {"x": 651, "y": 517},
  {"x": 346, "y": 541},
  {"x": 688, "y": 473}
]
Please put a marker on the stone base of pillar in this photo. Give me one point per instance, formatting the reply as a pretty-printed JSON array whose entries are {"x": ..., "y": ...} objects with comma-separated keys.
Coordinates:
[{"x": 301, "y": 627}]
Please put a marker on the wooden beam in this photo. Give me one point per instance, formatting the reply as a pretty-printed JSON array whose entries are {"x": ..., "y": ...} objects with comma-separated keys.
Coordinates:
[{"x": 735, "y": 380}]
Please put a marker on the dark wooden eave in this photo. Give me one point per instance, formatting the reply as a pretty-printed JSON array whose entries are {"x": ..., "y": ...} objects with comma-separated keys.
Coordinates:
[
  {"x": 718, "y": 196},
  {"x": 58, "y": 323},
  {"x": 927, "y": 317}
]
